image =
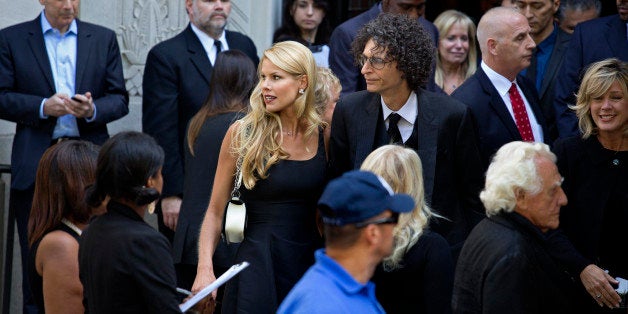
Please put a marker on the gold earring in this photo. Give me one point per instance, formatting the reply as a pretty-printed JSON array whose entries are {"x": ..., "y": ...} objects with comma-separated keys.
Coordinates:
[{"x": 151, "y": 207}]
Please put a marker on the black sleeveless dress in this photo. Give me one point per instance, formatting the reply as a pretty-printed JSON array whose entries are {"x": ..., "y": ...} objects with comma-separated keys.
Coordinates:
[
  {"x": 280, "y": 236},
  {"x": 35, "y": 280}
]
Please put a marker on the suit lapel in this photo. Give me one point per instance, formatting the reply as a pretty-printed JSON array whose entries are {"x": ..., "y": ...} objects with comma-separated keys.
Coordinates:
[
  {"x": 498, "y": 104},
  {"x": 38, "y": 47},
  {"x": 198, "y": 56},
  {"x": 617, "y": 40},
  {"x": 427, "y": 131},
  {"x": 555, "y": 60},
  {"x": 367, "y": 119},
  {"x": 84, "y": 44}
]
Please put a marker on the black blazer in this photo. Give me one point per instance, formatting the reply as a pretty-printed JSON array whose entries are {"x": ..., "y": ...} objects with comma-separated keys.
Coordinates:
[
  {"x": 452, "y": 170},
  {"x": 495, "y": 124},
  {"x": 548, "y": 83},
  {"x": 592, "y": 182},
  {"x": 26, "y": 79},
  {"x": 175, "y": 85},
  {"x": 125, "y": 265},
  {"x": 592, "y": 41},
  {"x": 590, "y": 176}
]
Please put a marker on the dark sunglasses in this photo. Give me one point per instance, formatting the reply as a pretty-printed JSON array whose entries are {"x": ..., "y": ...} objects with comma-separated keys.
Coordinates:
[{"x": 394, "y": 219}]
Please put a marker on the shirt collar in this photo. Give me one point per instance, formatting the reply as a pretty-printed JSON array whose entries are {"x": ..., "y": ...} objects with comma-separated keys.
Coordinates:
[
  {"x": 45, "y": 25},
  {"x": 408, "y": 111},
  {"x": 339, "y": 275},
  {"x": 208, "y": 40},
  {"x": 501, "y": 83}
]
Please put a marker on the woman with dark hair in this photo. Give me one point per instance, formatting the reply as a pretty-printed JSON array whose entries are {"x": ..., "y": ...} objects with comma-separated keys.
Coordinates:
[
  {"x": 232, "y": 81},
  {"x": 58, "y": 216},
  {"x": 306, "y": 21},
  {"x": 126, "y": 265}
]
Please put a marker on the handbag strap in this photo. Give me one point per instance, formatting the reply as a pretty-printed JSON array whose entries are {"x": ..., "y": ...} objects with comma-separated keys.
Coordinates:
[{"x": 238, "y": 179}]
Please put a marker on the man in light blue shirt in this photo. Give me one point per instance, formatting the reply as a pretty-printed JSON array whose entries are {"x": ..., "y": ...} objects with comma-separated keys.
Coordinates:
[
  {"x": 60, "y": 78},
  {"x": 359, "y": 211}
]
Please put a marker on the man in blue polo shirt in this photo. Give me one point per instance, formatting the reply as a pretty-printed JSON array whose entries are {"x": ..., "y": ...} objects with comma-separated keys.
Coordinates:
[{"x": 359, "y": 211}]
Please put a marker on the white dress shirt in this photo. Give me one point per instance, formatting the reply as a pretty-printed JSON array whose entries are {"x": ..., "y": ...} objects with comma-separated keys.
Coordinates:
[
  {"x": 408, "y": 114},
  {"x": 502, "y": 84}
]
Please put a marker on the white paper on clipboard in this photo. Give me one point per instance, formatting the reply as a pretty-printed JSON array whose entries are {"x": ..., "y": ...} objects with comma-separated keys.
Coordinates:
[{"x": 234, "y": 270}]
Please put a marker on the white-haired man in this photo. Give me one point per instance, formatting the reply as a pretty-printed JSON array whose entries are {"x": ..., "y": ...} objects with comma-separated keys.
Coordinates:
[{"x": 505, "y": 265}]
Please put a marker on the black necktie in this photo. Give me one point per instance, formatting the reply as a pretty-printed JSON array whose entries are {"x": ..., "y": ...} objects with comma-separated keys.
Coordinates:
[
  {"x": 393, "y": 129},
  {"x": 218, "y": 45}
]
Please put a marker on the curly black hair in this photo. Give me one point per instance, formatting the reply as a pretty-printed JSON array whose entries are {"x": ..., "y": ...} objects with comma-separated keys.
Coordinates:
[{"x": 404, "y": 41}]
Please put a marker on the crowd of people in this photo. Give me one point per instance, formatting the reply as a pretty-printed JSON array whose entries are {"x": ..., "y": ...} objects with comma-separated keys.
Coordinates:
[{"x": 387, "y": 165}]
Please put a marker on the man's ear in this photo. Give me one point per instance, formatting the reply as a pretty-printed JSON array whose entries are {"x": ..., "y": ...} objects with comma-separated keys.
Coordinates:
[
  {"x": 491, "y": 44},
  {"x": 372, "y": 234},
  {"x": 188, "y": 6}
]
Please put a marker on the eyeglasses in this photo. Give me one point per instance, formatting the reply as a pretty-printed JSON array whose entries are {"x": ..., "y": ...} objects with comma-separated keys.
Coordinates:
[
  {"x": 375, "y": 62},
  {"x": 394, "y": 219}
]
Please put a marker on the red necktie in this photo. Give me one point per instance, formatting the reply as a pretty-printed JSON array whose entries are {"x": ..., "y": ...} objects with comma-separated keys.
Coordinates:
[{"x": 521, "y": 115}]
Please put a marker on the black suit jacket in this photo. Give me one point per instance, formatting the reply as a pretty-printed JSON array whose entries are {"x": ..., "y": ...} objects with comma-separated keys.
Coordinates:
[
  {"x": 125, "y": 265},
  {"x": 26, "y": 79},
  {"x": 175, "y": 85},
  {"x": 590, "y": 176},
  {"x": 452, "y": 170},
  {"x": 592, "y": 41},
  {"x": 495, "y": 124},
  {"x": 548, "y": 83}
]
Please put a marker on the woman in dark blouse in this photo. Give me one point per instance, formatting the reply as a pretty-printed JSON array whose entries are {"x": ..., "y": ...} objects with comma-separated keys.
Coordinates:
[
  {"x": 306, "y": 22},
  {"x": 125, "y": 265},
  {"x": 421, "y": 259},
  {"x": 595, "y": 168}
]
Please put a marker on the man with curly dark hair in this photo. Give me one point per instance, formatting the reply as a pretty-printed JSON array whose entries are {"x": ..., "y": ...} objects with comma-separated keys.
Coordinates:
[
  {"x": 395, "y": 55},
  {"x": 341, "y": 61}
]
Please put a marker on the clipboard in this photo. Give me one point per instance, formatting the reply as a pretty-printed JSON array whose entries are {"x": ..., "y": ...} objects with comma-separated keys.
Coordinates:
[{"x": 230, "y": 273}]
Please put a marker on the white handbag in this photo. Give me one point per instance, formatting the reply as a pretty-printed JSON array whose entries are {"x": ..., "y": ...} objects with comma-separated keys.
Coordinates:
[{"x": 235, "y": 213}]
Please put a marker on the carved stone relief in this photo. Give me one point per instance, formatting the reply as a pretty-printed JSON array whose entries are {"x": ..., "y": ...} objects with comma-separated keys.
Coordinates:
[{"x": 145, "y": 24}]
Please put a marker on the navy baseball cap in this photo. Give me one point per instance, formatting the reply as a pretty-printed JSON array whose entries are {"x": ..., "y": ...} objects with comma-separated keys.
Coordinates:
[{"x": 359, "y": 195}]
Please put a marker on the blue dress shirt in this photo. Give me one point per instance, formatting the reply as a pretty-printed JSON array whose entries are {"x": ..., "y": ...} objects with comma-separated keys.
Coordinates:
[{"x": 61, "y": 49}]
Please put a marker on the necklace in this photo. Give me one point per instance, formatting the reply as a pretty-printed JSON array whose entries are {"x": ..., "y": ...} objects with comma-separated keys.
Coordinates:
[
  {"x": 289, "y": 133},
  {"x": 72, "y": 226}
]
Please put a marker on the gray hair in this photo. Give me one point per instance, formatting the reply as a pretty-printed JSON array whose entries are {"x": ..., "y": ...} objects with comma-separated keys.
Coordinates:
[
  {"x": 513, "y": 169},
  {"x": 578, "y": 5}
]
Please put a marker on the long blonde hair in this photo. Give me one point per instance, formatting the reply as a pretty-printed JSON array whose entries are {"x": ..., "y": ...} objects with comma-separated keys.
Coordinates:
[
  {"x": 258, "y": 138},
  {"x": 444, "y": 22},
  {"x": 401, "y": 168}
]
